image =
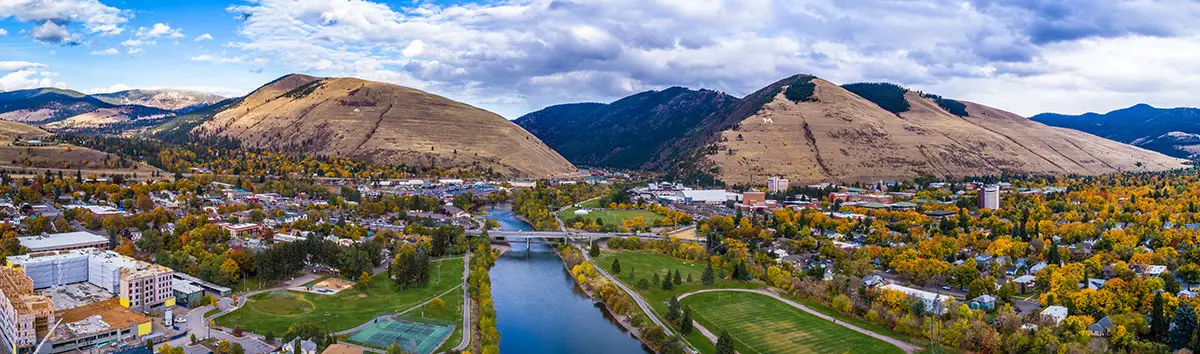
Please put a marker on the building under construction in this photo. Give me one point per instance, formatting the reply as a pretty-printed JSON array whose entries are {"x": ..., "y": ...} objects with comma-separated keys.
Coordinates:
[{"x": 93, "y": 293}]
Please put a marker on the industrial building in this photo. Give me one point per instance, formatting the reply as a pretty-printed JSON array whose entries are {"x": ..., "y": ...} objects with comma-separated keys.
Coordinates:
[{"x": 63, "y": 241}]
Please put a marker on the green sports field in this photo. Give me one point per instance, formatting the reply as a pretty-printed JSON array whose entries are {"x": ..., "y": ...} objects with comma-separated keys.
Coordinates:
[
  {"x": 277, "y": 310},
  {"x": 612, "y": 216},
  {"x": 761, "y": 324},
  {"x": 645, "y": 263}
]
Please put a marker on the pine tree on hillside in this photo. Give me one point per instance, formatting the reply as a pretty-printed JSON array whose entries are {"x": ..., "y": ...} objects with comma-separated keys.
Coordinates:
[
  {"x": 678, "y": 279},
  {"x": 616, "y": 266},
  {"x": 1158, "y": 319}
]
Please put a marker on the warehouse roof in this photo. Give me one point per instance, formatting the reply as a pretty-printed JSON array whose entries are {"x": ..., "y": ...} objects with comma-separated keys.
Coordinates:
[{"x": 63, "y": 240}]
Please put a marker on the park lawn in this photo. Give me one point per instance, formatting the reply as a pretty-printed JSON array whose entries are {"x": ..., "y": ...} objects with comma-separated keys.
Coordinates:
[
  {"x": 451, "y": 314},
  {"x": 612, "y": 216},
  {"x": 277, "y": 310},
  {"x": 645, "y": 263},
  {"x": 761, "y": 324},
  {"x": 861, "y": 323}
]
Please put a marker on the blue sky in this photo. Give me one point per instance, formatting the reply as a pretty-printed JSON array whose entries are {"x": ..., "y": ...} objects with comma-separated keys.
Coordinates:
[{"x": 512, "y": 57}]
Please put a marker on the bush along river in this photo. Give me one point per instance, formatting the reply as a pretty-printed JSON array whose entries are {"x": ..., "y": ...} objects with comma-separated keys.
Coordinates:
[{"x": 540, "y": 309}]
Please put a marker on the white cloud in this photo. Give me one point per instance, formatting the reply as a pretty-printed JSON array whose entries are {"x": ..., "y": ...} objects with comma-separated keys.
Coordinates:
[
  {"x": 159, "y": 30},
  {"x": 20, "y": 65},
  {"x": 53, "y": 33},
  {"x": 20, "y": 75},
  {"x": 137, "y": 43},
  {"x": 3, "y": 32},
  {"x": 134, "y": 50},
  {"x": 523, "y": 54},
  {"x": 215, "y": 59},
  {"x": 203, "y": 37},
  {"x": 94, "y": 16},
  {"x": 114, "y": 88},
  {"x": 109, "y": 51}
]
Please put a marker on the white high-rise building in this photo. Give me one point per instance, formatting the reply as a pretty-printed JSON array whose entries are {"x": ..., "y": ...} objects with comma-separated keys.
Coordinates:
[
  {"x": 777, "y": 184},
  {"x": 989, "y": 197}
]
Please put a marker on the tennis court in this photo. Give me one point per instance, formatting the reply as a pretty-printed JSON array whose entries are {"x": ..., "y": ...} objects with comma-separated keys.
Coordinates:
[{"x": 413, "y": 337}]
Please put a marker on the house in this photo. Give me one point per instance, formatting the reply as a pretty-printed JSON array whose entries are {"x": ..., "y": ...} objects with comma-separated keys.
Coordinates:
[
  {"x": 243, "y": 230},
  {"x": 1025, "y": 282},
  {"x": 455, "y": 212},
  {"x": 306, "y": 347},
  {"x": 1055, "y": 313},
  {"x": 1037, "y": 268},
  {"x": 871, "y": 281},
  {"x": 1095, "y": 284},
  {"x": 932, "y": 301},
  {"x": 983, "y": 302},
  {"x": 1100, "y": 328}
]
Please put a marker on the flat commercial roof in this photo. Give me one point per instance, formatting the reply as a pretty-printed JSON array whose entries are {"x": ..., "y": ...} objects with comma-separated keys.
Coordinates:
[{"x": 63, "y": 240}]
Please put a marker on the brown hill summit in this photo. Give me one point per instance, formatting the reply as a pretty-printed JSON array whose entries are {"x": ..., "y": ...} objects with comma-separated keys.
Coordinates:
[
  {"x": 808, "y": 129},
  {"x": 382, "y": 123}
]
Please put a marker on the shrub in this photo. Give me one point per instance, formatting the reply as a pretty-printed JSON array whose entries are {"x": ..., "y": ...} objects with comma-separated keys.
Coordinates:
[{"x": 890, "y": 97}]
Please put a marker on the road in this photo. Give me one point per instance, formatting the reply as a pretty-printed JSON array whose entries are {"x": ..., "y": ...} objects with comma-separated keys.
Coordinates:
[{"x": 907, "y": 347}]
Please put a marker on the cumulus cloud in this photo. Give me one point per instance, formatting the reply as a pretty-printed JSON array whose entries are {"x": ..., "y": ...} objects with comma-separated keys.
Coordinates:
[
  {"x": 114, "y": 88},
  {"x": 3, "y": 32},
  {"x": 93, "y": 16},
  {"x": 203, "y": 37},
  {"x": 20, "y": 75},
  {"x": 53, "y": 33},
  {"x": 523, "y": 54},
  {"x": 134, "y": 50},
  {"x": 159, "y": 30},
  {"x": 109, "y": 51}
]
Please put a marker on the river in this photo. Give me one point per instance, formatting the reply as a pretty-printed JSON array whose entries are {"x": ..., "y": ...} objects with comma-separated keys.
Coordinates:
[{"x": 540, "y": 309}]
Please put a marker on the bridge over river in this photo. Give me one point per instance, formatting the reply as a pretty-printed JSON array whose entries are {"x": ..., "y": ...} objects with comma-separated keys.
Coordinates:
[{"x": 553, "y": 236}]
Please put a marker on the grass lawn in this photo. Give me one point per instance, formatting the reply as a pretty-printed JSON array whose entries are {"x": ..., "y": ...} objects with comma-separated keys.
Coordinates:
[
  {"x": 761, "y": 324},
  {"x": 452, "y": 314},
  {"x": 861, "y": 323},
  {"x": 645, "y": 263},
  {"x": 248, "y": 285},
  {"x": 276, "y": 311},
  {"x": 611, "y": 217}
]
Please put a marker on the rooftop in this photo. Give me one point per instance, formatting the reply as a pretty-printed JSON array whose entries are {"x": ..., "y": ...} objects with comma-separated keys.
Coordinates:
[
  {"x": 63, "y": 240},
  {"x": 96, "y": 318}
]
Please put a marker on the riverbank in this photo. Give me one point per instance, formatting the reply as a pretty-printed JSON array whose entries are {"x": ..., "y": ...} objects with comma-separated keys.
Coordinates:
[{"x": 626, "y": 322}]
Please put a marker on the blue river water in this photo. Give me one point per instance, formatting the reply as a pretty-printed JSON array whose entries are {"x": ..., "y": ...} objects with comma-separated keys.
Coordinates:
[{"x": 540, "y": 309}]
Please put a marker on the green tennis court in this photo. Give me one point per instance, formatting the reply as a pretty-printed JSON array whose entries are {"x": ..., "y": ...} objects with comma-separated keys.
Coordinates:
[{"x": 413, "y": 337}]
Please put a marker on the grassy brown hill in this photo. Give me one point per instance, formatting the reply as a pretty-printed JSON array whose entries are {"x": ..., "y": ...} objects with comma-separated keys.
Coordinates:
[
  {"x": 809, "y": 129},
  {"x": 18, "y": 152},
  {"x": 381, "y": 123}
]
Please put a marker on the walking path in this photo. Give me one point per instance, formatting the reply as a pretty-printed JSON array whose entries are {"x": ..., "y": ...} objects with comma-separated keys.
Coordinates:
[
  {"x": 466, "y": 324},
  {"x": 907, "y": 347},
  {"x": 632, "y": 294}
]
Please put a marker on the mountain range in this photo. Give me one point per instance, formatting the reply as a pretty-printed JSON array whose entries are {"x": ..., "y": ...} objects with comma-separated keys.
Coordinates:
[
  {"x": 62, "y": 109},
  {"x": 808, "y": 130},
  {"x": 1171, "y": 131},
  {"x": 801, "y": 127}
]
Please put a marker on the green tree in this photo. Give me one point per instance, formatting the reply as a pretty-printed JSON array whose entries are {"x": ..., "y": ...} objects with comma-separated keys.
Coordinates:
[
  {"x": 707, "y": 277},
  {"x": 616, "y": 266},
  {"x": 1158, "y": 319},
  {"x": 595, "y": 250},
  {"x": 685, "y": 323},
  {"x": 667, "y": 284},
  {"x": 1185, "y": 325},
  {"x": 673, "y": 310},
  {"x": 678, "y": 279},
  {"x": 725, "y": 343}
]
